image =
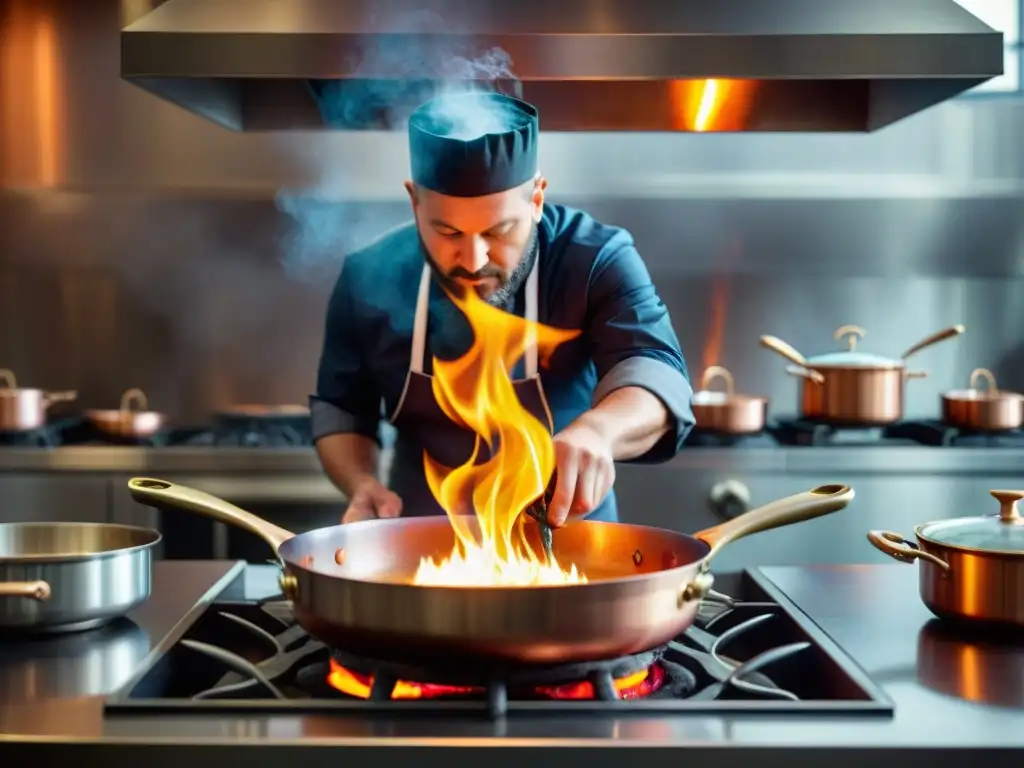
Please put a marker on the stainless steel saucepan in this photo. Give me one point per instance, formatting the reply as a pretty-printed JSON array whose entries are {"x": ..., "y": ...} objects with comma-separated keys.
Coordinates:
[
  {"x": 351, "y": 585},
  {"x": 63, "y": 577}
]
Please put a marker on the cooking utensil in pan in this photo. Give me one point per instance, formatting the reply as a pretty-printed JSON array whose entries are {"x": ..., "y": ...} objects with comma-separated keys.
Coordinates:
[
  {"x": 972, "y": 568},
  {"x": 350, "y": 585},
  {"x": 986, "y": 410},
  {"x": 132, "y": 420},
  {"x": 858, "y": 388},
  {"x": 23, "y": 408},
  {"x": 539, "y": 512},
  {"x": 60, "y": 577},
  {"x": 726, "y": 412}
]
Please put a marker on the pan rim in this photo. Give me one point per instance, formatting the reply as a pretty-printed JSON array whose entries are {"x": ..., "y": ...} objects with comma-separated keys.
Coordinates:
[
  {"x": 76, "y": 557},
  {"x": 293, "y": 565}
]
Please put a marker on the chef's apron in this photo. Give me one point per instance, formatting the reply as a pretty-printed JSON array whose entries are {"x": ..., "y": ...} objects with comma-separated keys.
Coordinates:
[{"x": 421, "y": 423}]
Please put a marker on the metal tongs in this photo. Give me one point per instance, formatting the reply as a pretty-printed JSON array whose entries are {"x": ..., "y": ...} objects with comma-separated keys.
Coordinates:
[{"x": 538, "y": 510}]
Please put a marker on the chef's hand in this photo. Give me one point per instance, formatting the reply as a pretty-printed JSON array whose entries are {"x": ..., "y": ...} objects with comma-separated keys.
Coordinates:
[
  {"x": 371, "y": 500},
  {"x": 585, "y": 472}
]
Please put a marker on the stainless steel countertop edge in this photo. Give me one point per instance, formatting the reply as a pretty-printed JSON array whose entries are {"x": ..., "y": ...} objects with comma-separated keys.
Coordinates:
[{"x": 877, "y": 460}]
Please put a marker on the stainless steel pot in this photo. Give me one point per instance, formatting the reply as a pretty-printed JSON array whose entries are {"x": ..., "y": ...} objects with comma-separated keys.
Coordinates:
[
  {"x": 986, "y": 410},
  {"x": 726, "y": 412},
  {"x": 851, "y": 387},
  {"x": 62, "y": 577},
  {"x": 23, "y": 409},
  {"x": 132, "y": 420},
  {"x": 351, "y": 586},
  {"x": 972, "y": 568}
]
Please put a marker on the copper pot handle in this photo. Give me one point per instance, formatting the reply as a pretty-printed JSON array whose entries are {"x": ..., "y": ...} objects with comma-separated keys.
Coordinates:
[
  {"x": 852, "y": 334},
  {"x": 37, "y": 590},
  {"x": 7, "y": 379},
  {"x": 50, "y": 398},
  {"x": 979, "y": 374},
  {"x": 779, "y": 347},
  {"x": 134, "y": 400},
  {"x": 714, "y": 372},
  {"x": 806, "y": 373},
  {"x": 898, "y": 548},
  {"x": 935, "y": 338}
]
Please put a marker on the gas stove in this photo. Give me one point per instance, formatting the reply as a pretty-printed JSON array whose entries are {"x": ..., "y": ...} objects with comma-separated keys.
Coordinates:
[
  {"x": 226, "y": 431},
  {"x": 750, "y": 652}
]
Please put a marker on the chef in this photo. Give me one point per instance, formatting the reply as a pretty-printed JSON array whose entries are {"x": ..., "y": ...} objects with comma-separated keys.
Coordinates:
[{"x": 617, "y": 392}]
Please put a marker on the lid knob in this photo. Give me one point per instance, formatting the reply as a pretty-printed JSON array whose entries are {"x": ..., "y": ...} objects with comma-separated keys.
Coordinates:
[{"x": 1008, "y": 511}]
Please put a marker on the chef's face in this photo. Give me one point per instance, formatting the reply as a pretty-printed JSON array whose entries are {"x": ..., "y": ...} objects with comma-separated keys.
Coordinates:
[{"x": 478, "y": 242}]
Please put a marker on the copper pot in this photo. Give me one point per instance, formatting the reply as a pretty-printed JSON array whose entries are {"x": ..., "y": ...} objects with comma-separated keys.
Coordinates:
[
  {"x": 852, "y": 387},
  {"x": 132, "y": 420},
  {"x": 727, "y": 412},
  {"x": 972, "y": 568},
  {"x": 986, "y": 410},
  {"x": 23, "y": 409},
  {"x": 985, "y": 668}
]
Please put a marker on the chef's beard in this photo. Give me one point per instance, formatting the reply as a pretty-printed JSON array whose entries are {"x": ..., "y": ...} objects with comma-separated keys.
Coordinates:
[{"x": 509, "y": 284}]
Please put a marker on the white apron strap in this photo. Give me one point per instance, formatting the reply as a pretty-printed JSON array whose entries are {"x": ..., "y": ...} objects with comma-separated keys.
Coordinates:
[{"x": 419, "y": 325}]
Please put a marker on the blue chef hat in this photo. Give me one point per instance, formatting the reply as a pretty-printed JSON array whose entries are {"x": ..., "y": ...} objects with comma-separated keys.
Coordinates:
[{"x": 473, "y": 144}]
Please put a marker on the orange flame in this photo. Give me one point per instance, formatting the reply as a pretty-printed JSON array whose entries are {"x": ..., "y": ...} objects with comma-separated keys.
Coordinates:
[
  {"x": 476, "y": 391},
  {"x": 635, "y": 686},
  {"x": 712, "y": 105}
]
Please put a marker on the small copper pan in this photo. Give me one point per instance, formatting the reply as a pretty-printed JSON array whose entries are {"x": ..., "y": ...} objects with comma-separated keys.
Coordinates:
[
  {"x": 726, "y": 412},
  {"x": 987, "y": 410},
  {"x": 131, "y": 420}
]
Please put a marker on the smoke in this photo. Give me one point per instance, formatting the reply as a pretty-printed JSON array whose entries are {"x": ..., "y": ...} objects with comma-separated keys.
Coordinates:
[{"x": 326, "y": 221}]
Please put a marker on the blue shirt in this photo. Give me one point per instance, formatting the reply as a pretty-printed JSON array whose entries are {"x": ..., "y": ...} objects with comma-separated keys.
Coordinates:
[{"x": 591, "y": 278}]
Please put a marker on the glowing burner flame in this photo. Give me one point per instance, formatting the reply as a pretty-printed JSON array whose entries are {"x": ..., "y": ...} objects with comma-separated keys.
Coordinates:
[
  {"x": 636, "y": 686},
  {"x": 476, "y": 392}
]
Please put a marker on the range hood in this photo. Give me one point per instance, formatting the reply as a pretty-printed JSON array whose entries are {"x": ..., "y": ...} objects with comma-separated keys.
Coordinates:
[{"x": 588, "y": 65}]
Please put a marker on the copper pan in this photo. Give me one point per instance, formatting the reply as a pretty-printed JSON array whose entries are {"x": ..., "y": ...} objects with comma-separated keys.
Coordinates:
[
  {"x": 351, "y": 585},
  {"x": 132, "y": 420},
  {"x": 851, "y": 387},
  {"x": 23, "y": 409},
  {"x": 986, "y": 410},
  {"x": 726, "y": 412}
]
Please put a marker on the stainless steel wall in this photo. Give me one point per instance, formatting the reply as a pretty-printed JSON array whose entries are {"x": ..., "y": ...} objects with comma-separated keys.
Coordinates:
[{"x": 140, "y": 245}]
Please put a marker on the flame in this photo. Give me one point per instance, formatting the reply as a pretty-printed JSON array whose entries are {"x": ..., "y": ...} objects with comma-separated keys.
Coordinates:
[
  {"x": 476, "y": 392},
  {"x": 635, "y": 686},
  {"x": 712, "y": 105}
]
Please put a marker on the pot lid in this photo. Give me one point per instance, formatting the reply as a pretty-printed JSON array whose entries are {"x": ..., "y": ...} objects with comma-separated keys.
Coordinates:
[
  {"x": 988, "y": 533},
  {"x": 851, "y": 358}
]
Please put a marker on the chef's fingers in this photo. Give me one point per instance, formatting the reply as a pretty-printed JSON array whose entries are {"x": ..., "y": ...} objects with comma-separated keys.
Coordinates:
[
  {"x": 565, "y": 485},
  {"x": 358, "y": 510},
  {"x": 388, "y": 504},
  {"x": 585, "y": 498}
]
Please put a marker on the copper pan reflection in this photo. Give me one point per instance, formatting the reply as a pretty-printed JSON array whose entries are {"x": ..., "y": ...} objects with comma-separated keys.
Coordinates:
[{"x": 984, "y": 667}]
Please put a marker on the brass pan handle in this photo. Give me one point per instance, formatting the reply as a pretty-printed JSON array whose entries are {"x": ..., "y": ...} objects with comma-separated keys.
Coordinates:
[
  {"x": 7, "y": 379},
  {"x": 982, "y": 374},
  {"x": 37, "y": 590},
  {"x": 898, "y": 548},
  {"x": 715, "y": 372},
  {"x": 935, "y": 338},
  {"x": 805, "y": 373},
  {"x": 779, "y": 347},
  {"x": 134, "y": 399}
]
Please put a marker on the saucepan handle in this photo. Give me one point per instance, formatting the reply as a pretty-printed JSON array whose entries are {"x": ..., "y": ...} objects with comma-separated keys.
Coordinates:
[
  {"x": 898, "y": 548},
  {"x": 167, "y": 495},
  {"x": 816, "y": 502},
  {"x": 36, "y": 590}
]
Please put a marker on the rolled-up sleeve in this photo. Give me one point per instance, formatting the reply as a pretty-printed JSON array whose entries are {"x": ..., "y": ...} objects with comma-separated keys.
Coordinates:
[
  {"x": 346, "y": 400},
  {"x": 633, "y": 343}
]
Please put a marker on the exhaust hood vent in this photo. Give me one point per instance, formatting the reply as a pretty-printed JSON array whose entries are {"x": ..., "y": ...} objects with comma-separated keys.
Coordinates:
[{"x": 588, "y": 65}]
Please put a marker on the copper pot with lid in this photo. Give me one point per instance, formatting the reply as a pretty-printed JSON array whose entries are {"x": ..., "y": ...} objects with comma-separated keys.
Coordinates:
[
  {"x": 725, "y": 411},
  {"x": 972, "y": 568},
  {"x": 21, "y": 408},
  {"x": 852, "y": 387},
  {"x": 986, "y": 410}
]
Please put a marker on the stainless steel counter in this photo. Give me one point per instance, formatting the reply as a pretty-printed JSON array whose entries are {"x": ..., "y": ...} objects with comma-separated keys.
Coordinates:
[
  {"x": 51, "y": 705},
  {"x": 286, "y": 461}
]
